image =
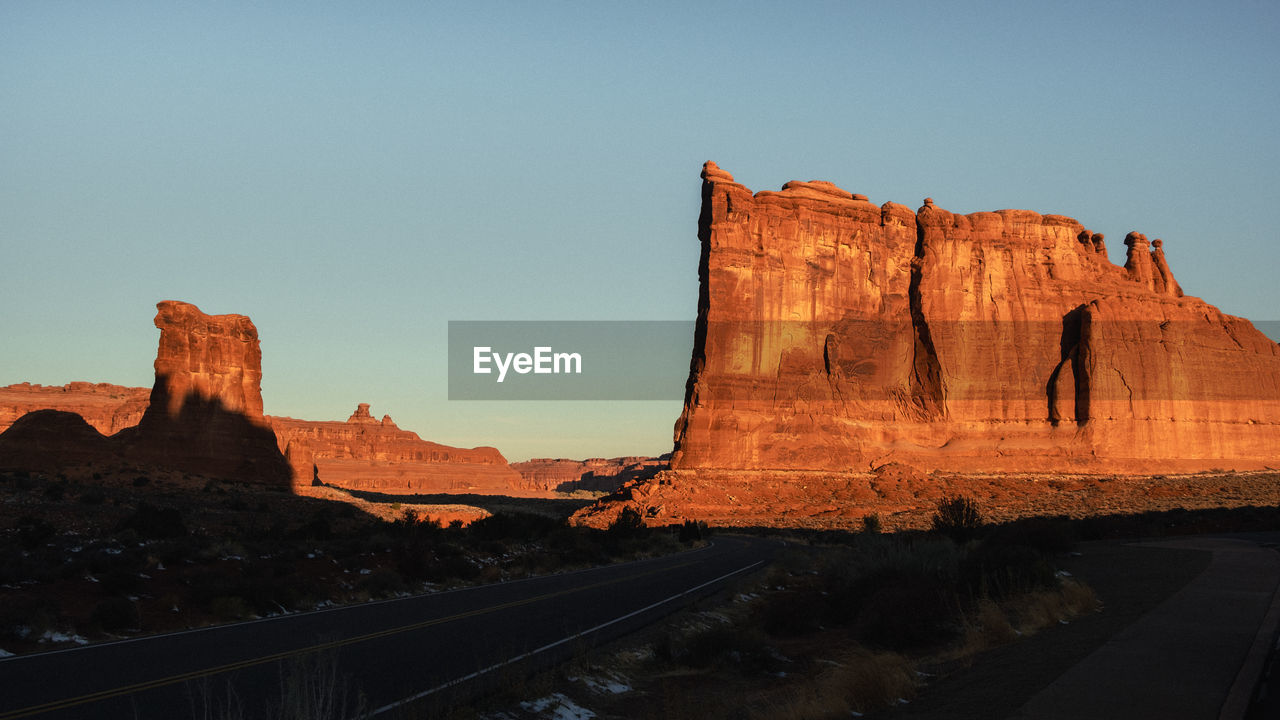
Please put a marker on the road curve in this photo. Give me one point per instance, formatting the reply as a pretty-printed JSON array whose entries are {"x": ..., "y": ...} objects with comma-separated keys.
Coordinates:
[{"x": 395, "y": 652}]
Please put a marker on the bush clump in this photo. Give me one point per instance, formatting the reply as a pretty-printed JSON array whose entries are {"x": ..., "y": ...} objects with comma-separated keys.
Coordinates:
[{"x": 957, "y": 517}]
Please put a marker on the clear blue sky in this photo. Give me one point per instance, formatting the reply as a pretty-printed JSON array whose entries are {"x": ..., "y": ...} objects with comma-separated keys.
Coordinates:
[{"x": 354, "y": 175}]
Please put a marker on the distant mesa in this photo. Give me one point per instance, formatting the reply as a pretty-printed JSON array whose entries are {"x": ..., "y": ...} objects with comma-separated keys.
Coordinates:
[
  {"x": 590, "y": 475},
  {"x": 108, "y": 408},
  {"x": 366, "y": 454}
]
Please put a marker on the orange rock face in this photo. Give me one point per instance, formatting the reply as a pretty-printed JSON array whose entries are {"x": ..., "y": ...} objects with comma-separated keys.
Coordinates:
[
  {"x": 592, "y": 474},
  {"x": 367, "y": 454},
  {"x": 205, "y": 412},
  {"x": 108, "y": 408},
  {"x": 837, "y": 335}
]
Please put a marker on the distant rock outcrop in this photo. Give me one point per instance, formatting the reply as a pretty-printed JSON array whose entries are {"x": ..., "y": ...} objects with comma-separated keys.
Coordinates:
[
  {"x": 367, "y": 454},
  {"x": 592, "y": 474},
  {"x": 203, "y": 416},
  {"x": 108, "y": 408}
]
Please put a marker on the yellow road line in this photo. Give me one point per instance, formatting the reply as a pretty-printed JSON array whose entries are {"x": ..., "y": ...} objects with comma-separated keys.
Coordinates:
[{"x": 230, "y": 667}]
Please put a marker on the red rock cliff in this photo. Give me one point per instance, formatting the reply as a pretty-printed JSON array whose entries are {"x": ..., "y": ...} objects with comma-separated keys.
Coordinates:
[
  {"x": 108, "y": 408},
  {"x": 367, "y": 454},
  {"x": 834, "y": 334}
]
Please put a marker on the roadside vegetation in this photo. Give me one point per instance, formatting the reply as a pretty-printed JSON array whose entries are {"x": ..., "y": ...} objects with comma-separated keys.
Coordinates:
[
  {"x": 845, "y": 624},
  {"x": 132, "y": 555}
]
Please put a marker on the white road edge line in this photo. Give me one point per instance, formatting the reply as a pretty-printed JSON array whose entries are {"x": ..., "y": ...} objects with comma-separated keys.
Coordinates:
[{"x": 544, "y": 648}]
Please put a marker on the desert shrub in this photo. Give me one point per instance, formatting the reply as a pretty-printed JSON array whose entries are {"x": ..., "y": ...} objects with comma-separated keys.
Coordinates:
[
  {"x": 1051, "y": 536},
  {"x": 796, "y": 612},
  {"x": 141, "y": 481},
  {"x": 514, "y": 526},
  {"x": 34, "y": 531},
  {"x": 120, "y": 580},
  {"x": 115, "y": 614},
  {"x": 871, "y": 524},
  {"x": 692, "y": 531},
  {"x": 93, "y": 496},
  {"x": 150, "y": 521},
  {"x": 997, "y": 571},
  {"x": 383, "y": 582},
  {"x": 229, "y": 607},
  {"x": 317, "y": 527},
  {"x": 628, "y": 524},
  {"x": 718, "y": 645},
  {"x": 957, "y": 517},
  {"x": 906, "y": 613},
  {"x": 24, "y": 617}
]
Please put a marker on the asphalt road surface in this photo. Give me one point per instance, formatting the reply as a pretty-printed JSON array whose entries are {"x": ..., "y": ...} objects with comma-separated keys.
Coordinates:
[{"x": 398, "y": 654}]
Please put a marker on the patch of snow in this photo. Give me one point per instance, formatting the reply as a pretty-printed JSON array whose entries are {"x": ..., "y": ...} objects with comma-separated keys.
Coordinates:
[
  {"x": 144, "y": 576},
  {"x": 5, "y": 653},
  {"x": 366, "y": 571},
  {"x": 90, "y": 578},
  {"x": 160, "y": 567},
  {"x": 610, "y": 684},
  {"x": 747, "y": 597},
  {"x": 1063, "y": 573},
  {"x": 61, "y": 637},
  {"x": 903, "y": 701},
  {"x": 311, "y": 556},
  {"x": 557, "y": 706}
]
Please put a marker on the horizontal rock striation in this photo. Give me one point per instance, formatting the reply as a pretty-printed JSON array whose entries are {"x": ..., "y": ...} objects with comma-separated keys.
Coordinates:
[
  {"x": 835, "y": 334},
  {"x": 108, "y": 408},
  {"x": 368, "y": 454},
  {"x": 591, "y": 475}
]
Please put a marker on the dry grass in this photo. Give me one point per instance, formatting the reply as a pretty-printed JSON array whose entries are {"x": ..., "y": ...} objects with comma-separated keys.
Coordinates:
[
  {"x": 859, "y": 681},
  {"x": 991, "y": 624}
]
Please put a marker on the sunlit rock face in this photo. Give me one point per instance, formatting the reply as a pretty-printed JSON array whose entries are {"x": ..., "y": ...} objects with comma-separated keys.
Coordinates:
[
  {"x": 836, "y": 334},
  {"x": 364, "y": 453},
  {"x": 107, "y": 408},
  {"x": 205, "y": 412}
]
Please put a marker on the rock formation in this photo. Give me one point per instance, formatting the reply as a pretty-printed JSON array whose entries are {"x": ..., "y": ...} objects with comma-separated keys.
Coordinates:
[
  {"x": 591, "y": 475},
  {"x": 205, "y": 411},
  {"x": 366, "y": 454},
  {"x": 833, "y": 334},
  {"x": 835, "y": 337},
  {"x": 108, "y": 408}
]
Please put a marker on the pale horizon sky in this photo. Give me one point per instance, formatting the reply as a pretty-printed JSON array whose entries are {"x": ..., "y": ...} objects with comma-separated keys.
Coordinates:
[{"x": 354, "y": 176}]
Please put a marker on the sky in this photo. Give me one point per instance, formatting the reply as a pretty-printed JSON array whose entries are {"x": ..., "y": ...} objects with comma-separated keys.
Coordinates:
[{"x": 353, "y": 176}]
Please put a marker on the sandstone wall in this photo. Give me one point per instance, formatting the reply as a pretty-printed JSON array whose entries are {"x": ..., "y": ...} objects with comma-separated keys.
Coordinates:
[{"x": 834, "y": 334}]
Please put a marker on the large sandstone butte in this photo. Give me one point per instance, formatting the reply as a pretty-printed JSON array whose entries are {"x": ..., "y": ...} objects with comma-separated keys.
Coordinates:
[
  {"x": 833, "y": 334},
  {"x": 364, "y": 453},
  {"x": 205, "y": 411},
  {"x": 836, "y": 337}
]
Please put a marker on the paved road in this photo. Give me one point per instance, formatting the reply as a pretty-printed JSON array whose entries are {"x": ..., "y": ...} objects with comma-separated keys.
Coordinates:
[
  {"x": 408, "y": 650},
  {"x": 1197, "y": 655}
]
